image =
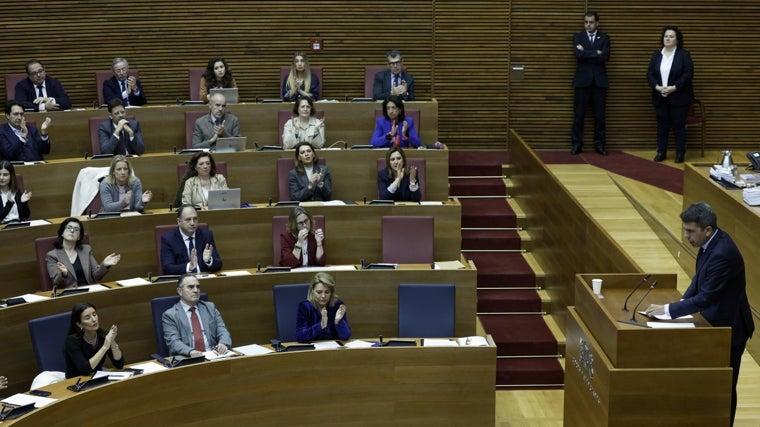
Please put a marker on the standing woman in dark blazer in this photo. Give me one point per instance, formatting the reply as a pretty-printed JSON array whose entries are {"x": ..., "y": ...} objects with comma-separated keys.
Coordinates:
[{"x": 670, "y": 72}]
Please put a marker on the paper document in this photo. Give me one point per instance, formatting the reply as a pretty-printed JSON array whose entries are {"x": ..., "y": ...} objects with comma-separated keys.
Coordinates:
[
  {"x": 150, "y": 367},
  {"x": 33, "y": 297},
  {"x": 473, "y": 341},
  {"x": 211, "y": 355},
  {"x": 436, "y": 342},
  {"x": 232, "y": 273},
  {"x": 670, "y": 325},
  {"x": 20, "y": 399},
  {"x": 449, "y": 265},
  {"x": 113, "y": 375},
  {"x": 323, "y": 345},
  {"x": 360, "y": 344},
  {"x": 665, "y": 316},
  {"x": 253, "y": 350},
  {"x": 327, "y": 268},
  {"x": 133, "y": 282}
]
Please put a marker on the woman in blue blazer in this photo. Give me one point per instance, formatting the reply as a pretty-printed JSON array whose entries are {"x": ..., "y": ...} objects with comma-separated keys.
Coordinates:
[{"x": 670, "y": 72}]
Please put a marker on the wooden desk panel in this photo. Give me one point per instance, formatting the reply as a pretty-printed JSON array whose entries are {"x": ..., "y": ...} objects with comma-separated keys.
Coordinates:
[
  {"x": 369, "y": 387},
  {"x": 354, "y": 176},
  {"x": 163, "y": 127},
  {"x": 245, "y": 303},
  {"x": 243, "y": 238}
]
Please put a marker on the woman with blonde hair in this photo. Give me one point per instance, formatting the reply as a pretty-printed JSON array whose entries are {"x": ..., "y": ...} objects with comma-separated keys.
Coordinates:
[
  {"x": 300, "y": 81},
  {"x": 323, "y": 315},
  {"x": 121, "y": 190}
]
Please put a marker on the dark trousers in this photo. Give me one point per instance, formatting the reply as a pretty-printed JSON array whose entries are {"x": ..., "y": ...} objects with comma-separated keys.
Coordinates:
[
  {"x": 671, "y": 117},
  {"x": 736, "y": 360},
  {"x": 597, "y": 96}
]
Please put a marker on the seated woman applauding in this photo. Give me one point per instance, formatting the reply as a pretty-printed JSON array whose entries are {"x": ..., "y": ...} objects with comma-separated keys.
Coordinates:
[
  {"x": 396, "y": 182},
  {"x": 309, "y": 180},
  {"x": 202, "y": 176},
  {"x": 304, "y": 127},
  {"x": 300, "y": 81},
  {"x": 88, "y": 344},
  {"x": 394, "y": 129},
  {"x": 322, "y": 316},
  {"x": 71, "y": 263},
  {"x": 302, "y": 243},
  {"x": 121, "y": 190},
  {"x": 14, "y": 204}
]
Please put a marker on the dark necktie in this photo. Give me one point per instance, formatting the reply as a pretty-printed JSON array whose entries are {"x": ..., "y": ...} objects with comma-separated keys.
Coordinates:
[
  {"x": 123, "y": 138},
  {"x": 124, "y": 90},
  {"x": 197, "y": 332},
  {"x": 396, "y": 80},
  {"x": 39, "y": 91},
  {"x": 218, "y": 122},
  {"x": 190, "y": 247}
]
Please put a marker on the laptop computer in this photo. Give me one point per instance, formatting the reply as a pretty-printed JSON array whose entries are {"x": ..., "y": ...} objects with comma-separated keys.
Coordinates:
[
  {"x": 224, "y": 199},
  {"x": 230, "y": 93},
  {"x": 230, "y": 144}
]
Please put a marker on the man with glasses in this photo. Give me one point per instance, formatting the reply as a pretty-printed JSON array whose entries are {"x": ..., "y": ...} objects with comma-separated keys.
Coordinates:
[
  {"x": 393, "y": 81},
  {"x": 39, "y": 92},
  {"x": 217, "y": 124},
  {"x": 123, "y": 86},
  {"x": 22, "y": 142},
  {"x": 120, "y": 135},
  {"x": 187, "y": 248},
  {"x": 191, "y": 326}
]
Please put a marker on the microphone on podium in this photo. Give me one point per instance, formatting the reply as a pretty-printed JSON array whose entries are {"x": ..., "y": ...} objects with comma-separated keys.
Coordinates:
[
  {"x": 633, "y": 315},
  {"x": 625, "y": 304}
]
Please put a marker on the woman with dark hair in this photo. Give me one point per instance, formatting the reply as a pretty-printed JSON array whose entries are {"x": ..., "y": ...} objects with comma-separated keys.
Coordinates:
[
  {"x": 309, "y": 180},
  {"x": 72, "y": 263},
  {"x": 396, "y": 182},
  {"x": 14, "y": 204},
  {"x": 394, "y": 129},
  {"x": 303, "y": 127},
  {"x": 121, "y": 190},
  {"x": 302, "y": 243},
  {"x": 300, "y": 81},
  {"x": 201, "y": 177},
  {"x": 87, "y": 343},
  {"x": 323, "y": 315},
  {"x": 670, "y": 73},
  {"x": 217, "y": 75}
]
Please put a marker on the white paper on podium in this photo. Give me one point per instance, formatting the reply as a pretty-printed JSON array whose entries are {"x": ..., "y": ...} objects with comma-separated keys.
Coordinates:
[{"x": 670, "y": 325}]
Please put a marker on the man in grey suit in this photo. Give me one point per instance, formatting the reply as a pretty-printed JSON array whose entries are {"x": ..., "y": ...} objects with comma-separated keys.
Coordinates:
[
  {"x": 218, "y": 123},
  {"x": 192, "y": 326}
]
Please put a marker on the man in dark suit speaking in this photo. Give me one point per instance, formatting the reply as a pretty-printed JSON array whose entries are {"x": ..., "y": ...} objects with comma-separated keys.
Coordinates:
[
  {"x": 187, "y": 248},
  {"x": 592, "y": 50},
  {"x": 718, "y": 288}
]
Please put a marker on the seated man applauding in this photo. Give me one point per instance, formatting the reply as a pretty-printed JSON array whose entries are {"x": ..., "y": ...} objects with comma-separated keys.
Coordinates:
[{"x": 189, "y": 249}]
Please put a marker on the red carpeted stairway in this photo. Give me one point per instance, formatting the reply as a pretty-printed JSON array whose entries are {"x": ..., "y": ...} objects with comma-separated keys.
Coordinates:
[{"x": 509, "y": 306}]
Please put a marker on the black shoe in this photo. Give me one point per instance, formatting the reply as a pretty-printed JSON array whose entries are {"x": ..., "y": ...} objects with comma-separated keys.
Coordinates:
[
  {"x": 660, "y": 156},
  {"x": 576, "y": 150},
  {"x": 679, "y": 157},
  {"x": 601, "y": 151}
]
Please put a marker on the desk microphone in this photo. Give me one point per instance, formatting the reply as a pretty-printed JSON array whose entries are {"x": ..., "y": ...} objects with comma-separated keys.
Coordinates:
[
  {"x": 270, "y": 202},
  {"x": 258, "y": 267},
  {"x": 364, "y": 199},
  {"x": 89, "y": 213},
  {"x": 86, "y": 155},
  {"x": 55, "y": 291},
  {"x": 625, "y": 304},
  {"x": 150, "y": 276},
  {"x": 175, "y": 149},
  {"x": 633, "y": 315}
]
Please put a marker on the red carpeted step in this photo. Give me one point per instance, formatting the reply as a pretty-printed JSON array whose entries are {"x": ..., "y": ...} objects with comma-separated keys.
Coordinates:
[
  {"x": 484, "y": 213},
  {"x": 477, "y": 187},
  {"x": 519, "y": 334},
  {"x": 529, "y": 371},
  {"x": 502, "y": 269},
  {"x": 477, "y": 162},
  {"x": 508, "y": 300},
  {"x": 490, "y": 240}
]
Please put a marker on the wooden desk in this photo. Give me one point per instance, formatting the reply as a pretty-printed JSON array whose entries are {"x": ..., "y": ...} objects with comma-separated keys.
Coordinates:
[
  {"x": 163, "y": 127},
  {"x": 401, "y": 386},
  {"x": 246, "y": 303},
  {"x": 622, "y": 375},
  {"x": 735, "y": 217},
  {"x": 243, "y": 238},
  {"x": 354, "y": 176}
]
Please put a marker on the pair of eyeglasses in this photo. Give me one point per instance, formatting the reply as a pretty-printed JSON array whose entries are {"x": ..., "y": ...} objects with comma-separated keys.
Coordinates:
[
  {"x": 304, "y": 222},
  {"x": 394, "y": 63},
  {"x": 38, "y": 72},
  {"x": 72, "y": 229}
]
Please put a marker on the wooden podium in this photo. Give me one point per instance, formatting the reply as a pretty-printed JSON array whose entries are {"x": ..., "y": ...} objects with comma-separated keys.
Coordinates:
[{"x": 620, "y": 374}]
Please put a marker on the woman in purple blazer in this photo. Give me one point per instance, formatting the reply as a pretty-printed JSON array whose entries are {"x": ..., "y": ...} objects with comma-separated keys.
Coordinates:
[
  {"x": 322, "y": 316},
  {"x": 394, "y": 129}
]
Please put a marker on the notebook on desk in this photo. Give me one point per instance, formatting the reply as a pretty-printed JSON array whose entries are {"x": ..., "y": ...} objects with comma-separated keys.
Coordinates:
[
  {"x": 230, "y": 93},
  {"x": 230, "y": 144},
  {"x": 224, "y": 199}
]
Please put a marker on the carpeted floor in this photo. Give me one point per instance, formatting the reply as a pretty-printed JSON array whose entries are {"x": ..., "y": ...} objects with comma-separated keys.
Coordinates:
[{"x": 647, "y": 171}]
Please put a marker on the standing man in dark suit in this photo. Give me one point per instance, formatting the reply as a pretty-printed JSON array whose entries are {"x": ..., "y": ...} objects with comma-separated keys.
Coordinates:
[
  {"x": 22, "y": 142},
  {"x": 189, "y": 249},
  {"x": 39, "y": 92},
  {"x": 120, "y": 135},
  {"x": 123, "y": 86},
  {"x": 393, "y": 81},
  {"x": 192, "y": 326},
  {"x": 718, "y": 288},
  {"x": 592, "y": 50}
]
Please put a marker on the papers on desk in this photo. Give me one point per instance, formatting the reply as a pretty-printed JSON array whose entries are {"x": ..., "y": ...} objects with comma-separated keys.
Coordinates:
[
  {"x": 665, "y": 316},
  {"x": 33, "y": 297},
  {"x": 326, "y": 203},
  {"x": 670, "y": 325},
  {"x": 232, "y": 273},
  {"x": 212, "y": 355},
  {"x": 253, "y": 350},
  {"x": 437, "y": 342},
  {"x": 473, "y": 341},
  {"x": 449, "y": 265},
  {"x": 431, "y": 203},
  {"x": 751, "y": 196},
  {"x": 95, "y": 288},
  {"x": 36, "y": 222},
  {"x": 20, "y": 399},
  {"x": 150, "y": 367},
  {"x": 326, "y": 268},
  {"x": 137, "y": 281},
  {"x": 360, "y": 344},
  {"x": 113, "y": 375},
  {"x": 324, "y": 345}
]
